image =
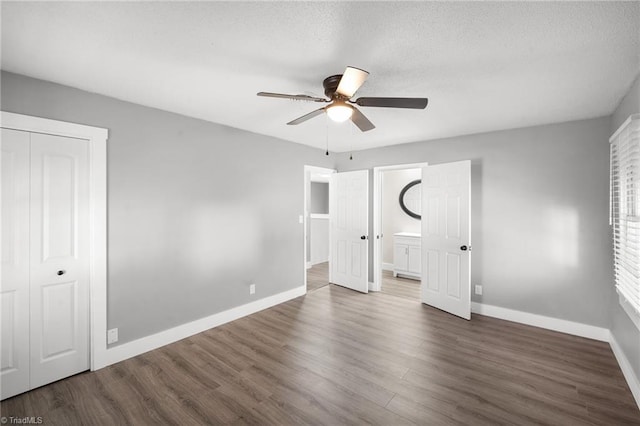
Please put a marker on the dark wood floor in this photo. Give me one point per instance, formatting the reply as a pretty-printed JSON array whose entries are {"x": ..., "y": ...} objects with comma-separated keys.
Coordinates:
[
  {"x": 400, "y": 286},
  {"x": 318, "y": 276},
  {"x": 339, "y": 357}
]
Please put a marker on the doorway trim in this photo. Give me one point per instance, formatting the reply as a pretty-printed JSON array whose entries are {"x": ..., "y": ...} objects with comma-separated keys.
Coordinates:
[
  {"x": 97, "y": 139},
  {"x": 308, "y": 171},
  {"x": 377, "y": 218}
]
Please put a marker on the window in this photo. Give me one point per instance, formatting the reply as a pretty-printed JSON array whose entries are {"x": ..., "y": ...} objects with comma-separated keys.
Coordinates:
[{"x": 624, "y": 213}]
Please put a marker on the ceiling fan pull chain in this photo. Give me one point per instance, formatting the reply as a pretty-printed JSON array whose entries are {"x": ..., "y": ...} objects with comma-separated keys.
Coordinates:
[
  {"x": 326, "y": 124},
  {"x": 351, "y": 142}
]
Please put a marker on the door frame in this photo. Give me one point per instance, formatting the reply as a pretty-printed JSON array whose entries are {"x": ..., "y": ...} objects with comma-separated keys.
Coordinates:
[
  {"x": 97, "y": 139},
  {"x": 308, "y": 171},
  {"x": 377, "y": 218}
]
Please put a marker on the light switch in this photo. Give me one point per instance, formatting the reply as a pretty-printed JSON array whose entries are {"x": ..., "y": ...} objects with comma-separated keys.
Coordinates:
[{"x": 112, "y": 336}]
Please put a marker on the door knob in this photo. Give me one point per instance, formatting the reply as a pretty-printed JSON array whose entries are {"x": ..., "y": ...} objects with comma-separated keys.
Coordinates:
[
  {"x": 363, "y": 237},
  {"x": 463, "y": 248},
  {"x": 61, "y": 272}
]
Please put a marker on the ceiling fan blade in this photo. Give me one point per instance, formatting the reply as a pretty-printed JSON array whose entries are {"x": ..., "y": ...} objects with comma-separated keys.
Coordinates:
[
  {"x": 351, "y": 81},
  {"x": 361, "y": 121},
  {"x": 292, "y": 97},
  {"x": 414, "y": 103},
  {"x": 306, "y": 117}
]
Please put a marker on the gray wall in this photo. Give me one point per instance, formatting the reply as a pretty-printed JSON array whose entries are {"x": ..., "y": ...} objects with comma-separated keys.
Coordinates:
[
  {"x": 622, "y": 329},
  {"x": 319, "y": 238},
  {"x": 196, "y": 211},
  {"x": 540, "y": 234},
  {"x": 319, "y": 198},
  {"x": 630, "y": 104},
  {"x": 318, "y": 229}
]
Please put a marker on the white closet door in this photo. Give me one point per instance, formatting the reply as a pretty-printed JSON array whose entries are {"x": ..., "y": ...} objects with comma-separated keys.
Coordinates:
[
  {"x": 14, "y": 285},
  {"x": 59, "y": 258}
]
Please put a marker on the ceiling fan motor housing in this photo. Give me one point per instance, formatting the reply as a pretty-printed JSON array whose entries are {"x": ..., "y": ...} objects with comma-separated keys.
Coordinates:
[{"x": 331, "y": 85}]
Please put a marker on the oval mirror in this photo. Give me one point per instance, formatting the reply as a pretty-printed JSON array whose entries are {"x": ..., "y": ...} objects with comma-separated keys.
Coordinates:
[{"x": 411, "y": 199}]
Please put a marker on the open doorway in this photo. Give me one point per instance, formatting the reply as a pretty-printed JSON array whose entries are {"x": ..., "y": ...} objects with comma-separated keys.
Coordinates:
[
  {"x": 397, "y": 223},
  {"x": 401, "y": 263},
  {"x": 316, "y": 224}
]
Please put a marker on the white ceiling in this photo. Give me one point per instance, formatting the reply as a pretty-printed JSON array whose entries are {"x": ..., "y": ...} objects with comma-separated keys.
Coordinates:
[{"x": 483, "y": 66}]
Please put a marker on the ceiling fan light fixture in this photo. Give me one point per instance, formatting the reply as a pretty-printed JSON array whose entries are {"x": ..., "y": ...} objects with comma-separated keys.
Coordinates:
[
  {"x": 339, "y": 90},
  {"x": 339, "y": 112}
]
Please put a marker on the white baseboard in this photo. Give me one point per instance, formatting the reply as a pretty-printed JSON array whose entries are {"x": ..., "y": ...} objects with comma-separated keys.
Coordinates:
[
  {"x": 148, "y": 343},
  {"x": 319, "y": 216},
  {"x": 563, "y": 326},
  {"x": 387, "y": 267},
  {"x": 632, "y": 380}
]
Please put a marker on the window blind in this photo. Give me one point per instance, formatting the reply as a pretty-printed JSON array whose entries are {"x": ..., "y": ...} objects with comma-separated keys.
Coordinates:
[{"x": 624, "y": 211}]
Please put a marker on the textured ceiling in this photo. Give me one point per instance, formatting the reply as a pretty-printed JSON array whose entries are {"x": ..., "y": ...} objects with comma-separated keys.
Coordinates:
[{"x": 483, "y": 66}]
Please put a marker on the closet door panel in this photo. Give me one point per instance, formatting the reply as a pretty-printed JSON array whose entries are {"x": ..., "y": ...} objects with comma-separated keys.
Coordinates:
[
  {"x": 59, "y": 258},
  {"x": 14, "y": 283}
]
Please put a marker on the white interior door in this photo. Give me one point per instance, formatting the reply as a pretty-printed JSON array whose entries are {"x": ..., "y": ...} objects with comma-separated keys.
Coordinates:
[
  {"x": 349, "y": 226},
  {"x": 59, "y": 258},
  {"x": 45, "y": 259},
  {"x": 446, "y": 237},
  {"x": 14, "y": 286}
]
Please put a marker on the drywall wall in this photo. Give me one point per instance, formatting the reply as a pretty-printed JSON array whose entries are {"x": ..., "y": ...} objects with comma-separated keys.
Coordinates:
[
  {"x": 394, "y": 219},
  {"x": 622, "y": 328},
  {"x": 319, "y": 198},
  {"x": 196, "y": 211},
  {"x": 630, "y": 104},
  {"x": 540, "y": 233},
  {"x": 319, "y": 236}
]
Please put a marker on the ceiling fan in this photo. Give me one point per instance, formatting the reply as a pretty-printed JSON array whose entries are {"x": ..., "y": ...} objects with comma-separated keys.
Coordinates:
[{"x": 340, "y": 89}]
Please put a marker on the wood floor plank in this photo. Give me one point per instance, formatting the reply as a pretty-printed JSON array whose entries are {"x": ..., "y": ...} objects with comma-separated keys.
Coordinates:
[
  {"x": 345, "y": 377},
  {"x": 400, "y": 286},
  {"x": 318, "y": 276},
  {"x": 429, "y": 412},
  {"x": 338, "y": 357}
]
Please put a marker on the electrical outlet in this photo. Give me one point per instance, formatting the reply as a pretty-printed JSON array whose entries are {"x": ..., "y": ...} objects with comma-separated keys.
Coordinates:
[
  {"x": 479, "y": 290},
  {"x": 252, "y": 289},
  {"x": 112, "y": 336}
]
